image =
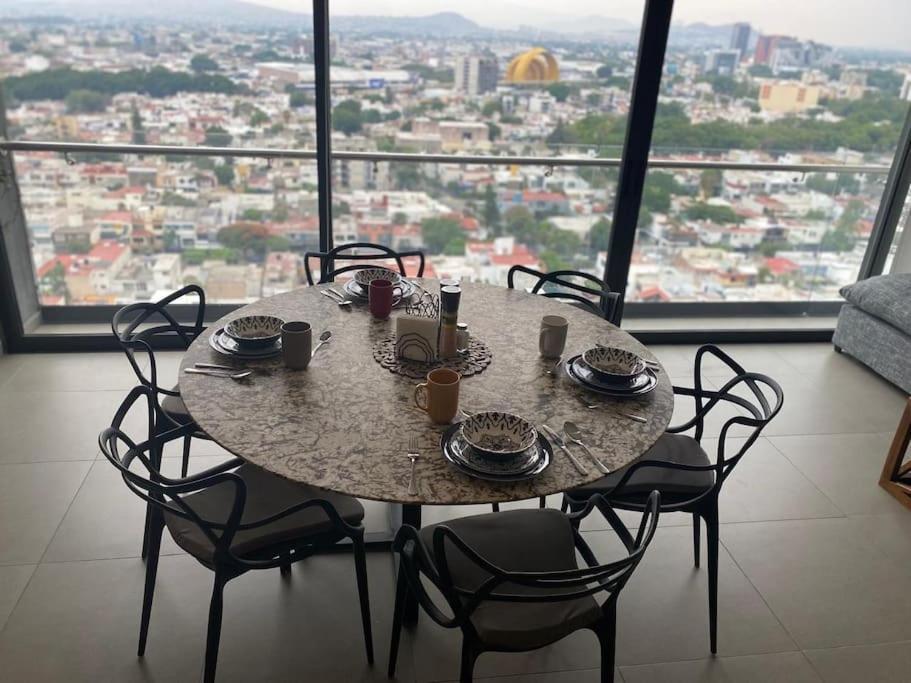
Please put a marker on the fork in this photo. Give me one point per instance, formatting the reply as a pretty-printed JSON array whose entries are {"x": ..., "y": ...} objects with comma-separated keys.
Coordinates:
[{"x": 413, "y": 455}]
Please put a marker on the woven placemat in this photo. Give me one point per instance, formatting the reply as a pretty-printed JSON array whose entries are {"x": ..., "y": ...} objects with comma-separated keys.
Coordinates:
[{"x": 478, "y": 357}]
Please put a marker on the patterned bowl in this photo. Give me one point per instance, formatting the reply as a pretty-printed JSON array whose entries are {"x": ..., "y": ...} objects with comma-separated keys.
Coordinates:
[
  {"x": 255, "y": 331},
  {"x": 365, "y": 276},
  {"x": 498, "y": 435},
  {"x": 614, "y": 365}
]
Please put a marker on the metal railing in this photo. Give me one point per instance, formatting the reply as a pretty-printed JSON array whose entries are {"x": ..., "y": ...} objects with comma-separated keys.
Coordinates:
[{"x": 67, "y": 148}]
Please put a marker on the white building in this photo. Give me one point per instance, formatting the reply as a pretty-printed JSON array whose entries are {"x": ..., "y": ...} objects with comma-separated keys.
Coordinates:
[{"x": 476, "y": 74}]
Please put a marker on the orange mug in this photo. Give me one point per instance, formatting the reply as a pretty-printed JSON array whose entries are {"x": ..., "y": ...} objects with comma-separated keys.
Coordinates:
[{"x": 439, "y": 395}]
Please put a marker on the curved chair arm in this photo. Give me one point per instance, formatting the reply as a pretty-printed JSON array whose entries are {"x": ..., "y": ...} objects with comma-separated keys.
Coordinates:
[{"x": 416, "y": 560}]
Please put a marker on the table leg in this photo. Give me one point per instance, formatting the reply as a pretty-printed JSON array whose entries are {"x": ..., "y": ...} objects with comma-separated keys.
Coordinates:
[{"x": 399, "y": 515}]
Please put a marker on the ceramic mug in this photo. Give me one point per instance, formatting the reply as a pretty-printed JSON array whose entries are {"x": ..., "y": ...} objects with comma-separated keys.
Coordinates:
[
  {"x": 439, "y": 395},
  {"x": 297, "y": 340},
  {"x": 552, "y": 337},
  {"x": 380, "y": 295}
]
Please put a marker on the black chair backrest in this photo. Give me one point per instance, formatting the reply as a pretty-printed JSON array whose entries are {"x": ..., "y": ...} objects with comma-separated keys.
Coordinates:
[
  {"x": 591, "y": 293},
  {"x": 756, "y": 403},
  {"x": 137, "y": 326},
  {"x": 375, "y": 254},
  {"x": 499, "y": 586}
]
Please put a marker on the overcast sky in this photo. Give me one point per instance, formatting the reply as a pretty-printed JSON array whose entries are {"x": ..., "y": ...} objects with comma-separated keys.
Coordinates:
[{"x": 870, "y": 23}]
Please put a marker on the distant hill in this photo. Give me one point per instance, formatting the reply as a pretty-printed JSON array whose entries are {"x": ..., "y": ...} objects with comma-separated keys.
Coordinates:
[{"x": 441, "y": 24}]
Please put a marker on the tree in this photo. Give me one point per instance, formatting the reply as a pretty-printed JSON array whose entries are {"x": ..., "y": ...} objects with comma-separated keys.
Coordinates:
[
  {"x": 258, "y": 118},
  {"x": 251, "y": 239},
  {"x": 216, "y": 136},
  {"x": 224, "y": 173},
  {"x": 408, "y": 177},
  {"x": 844, "y": 235},
  {"x": 139, "y": 134},
  {"x": 593, "y": 99},
  {"x": 56, "y": 282},
  {"x": 493, "y": 131},
  {"x": 440, "y": 232},
  {"x": 491, "y": 107},
  {"x": 203, "y": 63},
  {"x": 710, "y": 182},
  {"x": 604, "y": 71},
  {"x": 347, "y": 118},
  {"x": 86, "y": 102},
  {"x": 716, "y": 214},
  {"x": 491, "y": 211},
  {"x": 298, "y": 99},
  {"x": 559, "y": 91},
  {"x": 253, "y": 215},
  {"x": 599, "y": 235}
]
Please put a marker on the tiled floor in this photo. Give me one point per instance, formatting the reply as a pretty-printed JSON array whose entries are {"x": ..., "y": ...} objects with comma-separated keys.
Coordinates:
[{"x": 812, "y": 571}]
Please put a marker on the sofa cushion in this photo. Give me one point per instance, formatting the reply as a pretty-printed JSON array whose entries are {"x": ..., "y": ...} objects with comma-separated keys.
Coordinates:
[{"x": 887, "y": 297}]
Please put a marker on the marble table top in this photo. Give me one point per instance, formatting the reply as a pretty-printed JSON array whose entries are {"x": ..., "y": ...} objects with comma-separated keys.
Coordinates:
[{"x": 343, "y": 424}]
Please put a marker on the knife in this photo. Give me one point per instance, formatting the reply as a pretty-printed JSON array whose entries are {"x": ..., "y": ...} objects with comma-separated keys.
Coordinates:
[{"x": 557, "y": 439}]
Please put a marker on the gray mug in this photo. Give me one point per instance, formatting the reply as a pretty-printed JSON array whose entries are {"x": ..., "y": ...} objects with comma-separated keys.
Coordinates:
[
  {"x": 297, "y": 341},
  {"x": 552, "y": 338}
]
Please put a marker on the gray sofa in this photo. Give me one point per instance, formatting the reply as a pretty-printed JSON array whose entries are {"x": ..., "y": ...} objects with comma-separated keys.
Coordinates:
[{"x": 874, "y": 326}]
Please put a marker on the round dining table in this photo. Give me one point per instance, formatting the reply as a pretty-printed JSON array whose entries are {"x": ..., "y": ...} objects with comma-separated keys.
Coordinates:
[{"x": 345, "y": 423}]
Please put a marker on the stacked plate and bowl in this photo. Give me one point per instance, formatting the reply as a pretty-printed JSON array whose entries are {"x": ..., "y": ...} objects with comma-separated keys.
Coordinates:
[
  {"x": 252, "y": 337},
  {"x": 496, "y": 446},
  {"x": 612, "y": 372},
  {"x": 359, "y": 286}
]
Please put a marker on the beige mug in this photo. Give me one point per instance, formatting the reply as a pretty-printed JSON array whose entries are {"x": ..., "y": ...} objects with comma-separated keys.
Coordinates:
[
  {"x": 439, "y": 395},
  {"x": 552, "y": 338}
]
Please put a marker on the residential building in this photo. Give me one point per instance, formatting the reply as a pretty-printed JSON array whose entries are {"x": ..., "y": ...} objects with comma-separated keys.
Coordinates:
[{"x": 476, "y": 74}]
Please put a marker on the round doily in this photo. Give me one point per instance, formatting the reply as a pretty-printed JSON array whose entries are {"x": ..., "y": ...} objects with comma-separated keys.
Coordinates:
[{"x": 478, "y": 357}]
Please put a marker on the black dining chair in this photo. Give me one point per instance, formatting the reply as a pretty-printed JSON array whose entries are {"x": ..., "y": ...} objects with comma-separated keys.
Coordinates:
[
  {"x": 374, "y": 255},
  {"x": 138, "y": 328},
  {"x": 232, "y": 518},
  {"x": 512, "y": 581},
  {"x": 572, "y": 286},
  {"x": 680, "y": 469}
]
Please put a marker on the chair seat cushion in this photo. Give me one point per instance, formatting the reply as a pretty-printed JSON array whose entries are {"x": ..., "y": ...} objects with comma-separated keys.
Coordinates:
[
  {"x": 673, "y": 484},
  {"x": 887, "y": 297},
  {"x": 267, "y": 495},
  {"x": 531, "y": 540}
]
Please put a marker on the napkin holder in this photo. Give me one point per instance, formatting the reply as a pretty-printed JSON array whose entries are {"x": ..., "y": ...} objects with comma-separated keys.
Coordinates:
[{"x": 416, "y": 338}]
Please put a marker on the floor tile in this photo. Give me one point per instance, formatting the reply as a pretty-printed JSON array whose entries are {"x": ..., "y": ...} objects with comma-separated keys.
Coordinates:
[
  {"x": 664, "y": 608},
  {"x": 9, "y": 366},
  {"x": 86, "y": 614},
  {"x": 825, "y": 579},
  {"x": 782, "y": 666},
  {"x": 33, "y": 501},
  {"x": 885, "y": 663},
  {"x": 586, "y": 676},
  {"x": 53, "y": 425},
  {"x": 73, "y": 372},
  {"x": 13, "y": 579},
  {"x": 846, "y": 467}
]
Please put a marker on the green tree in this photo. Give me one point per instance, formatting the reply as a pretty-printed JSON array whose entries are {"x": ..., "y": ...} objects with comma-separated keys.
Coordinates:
[
  {"x": 723, "y": 215},
  {"x": 216, "y": 136},
  {"x": 493, "y": 131},
  {"x": 491, "y": 212},
  {"x": 136, "y": 125},
  {"x": 347, "y": 117},
  {"x": 399, "y": 218},
  {"x": 203, "y": 63},
  {"x": 604, "y": 71},
  {"x": 491, "y": 107},
  {"x": 560, "y": 91},
  {"x": 710, "y": 182},
  {"x": 224, "y": 173},
  {"x": 599, "y": 235},
  {"x": 843, "y": 236},
  {"x": 252, "y": 240},
  {"x": 440, "y": 232},
  {"x": 86, "y": 102},
  {"x": 253, "y": 215},
  {"x": 258, "y": 118},
  {"x": 55, "y": 280}
]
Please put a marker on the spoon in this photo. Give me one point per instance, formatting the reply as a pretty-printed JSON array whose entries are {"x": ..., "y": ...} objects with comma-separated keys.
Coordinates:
[
  {"x": 323, "y": 339},
  {"x": 572, "y": 431},
  {"x": 342, "y": 303}
]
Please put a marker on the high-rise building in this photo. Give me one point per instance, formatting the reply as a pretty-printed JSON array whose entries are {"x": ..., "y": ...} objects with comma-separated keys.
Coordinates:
[
  {"x": 740, "y": 38},
  {"x": 765, "y": 46},
  {"x": 721, "y": 62},
  {"x": 476, "y": 74}
]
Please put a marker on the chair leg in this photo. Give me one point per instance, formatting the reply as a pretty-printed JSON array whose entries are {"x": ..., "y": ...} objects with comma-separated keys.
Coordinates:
[
  {"x": 711, "y": 528},
  {"x": 542, "y": 502},
  {"x": 185, "y": 462},
  {"x": 495, "y": 506},
  {"x": 401, "y": 587},
  {"x": 153, "y": 533},
  {"x": 607, "y": 639},
  {"x": 213, "y": 635},
  {"x": 697, "y": 529},
  {"x": 360, "y": 566},
  {"x": 564, "y": 505},
  {"x": 145, "y": 532},
  {"x": 469, "y": 655}
]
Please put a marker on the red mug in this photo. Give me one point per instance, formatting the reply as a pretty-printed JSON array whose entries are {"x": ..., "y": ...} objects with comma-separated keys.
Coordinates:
[{"x": 381, "y": 294}]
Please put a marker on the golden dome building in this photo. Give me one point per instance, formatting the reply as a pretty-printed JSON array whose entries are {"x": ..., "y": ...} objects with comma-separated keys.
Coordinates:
[{"x": 534, "y": 66}]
